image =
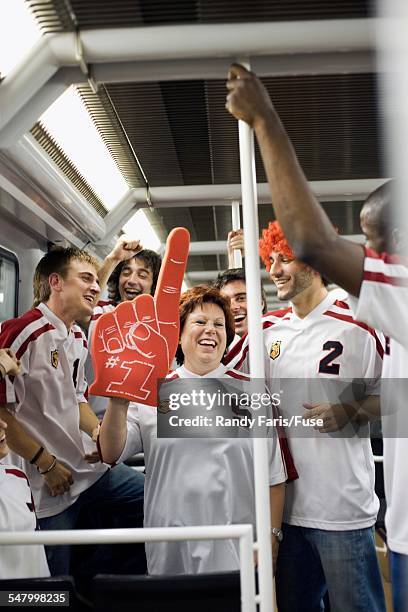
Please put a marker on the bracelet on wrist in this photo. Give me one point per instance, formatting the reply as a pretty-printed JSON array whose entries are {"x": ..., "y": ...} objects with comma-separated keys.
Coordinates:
[
  {"x": 51, "y": 466},
  {"x": 37, "y": 455}
]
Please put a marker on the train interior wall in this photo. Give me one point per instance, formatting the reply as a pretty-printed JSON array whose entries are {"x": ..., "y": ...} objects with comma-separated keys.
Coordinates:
[{"x": 24, "y": 235}]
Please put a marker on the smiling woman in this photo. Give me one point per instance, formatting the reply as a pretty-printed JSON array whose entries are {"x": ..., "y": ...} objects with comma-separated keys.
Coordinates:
[
  {"x": 206, "y": 329},
  {"x": 204, "y": 481}
]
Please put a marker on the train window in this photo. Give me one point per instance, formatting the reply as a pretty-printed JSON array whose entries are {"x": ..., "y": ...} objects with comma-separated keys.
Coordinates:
[{"x": 8, "y": 285}]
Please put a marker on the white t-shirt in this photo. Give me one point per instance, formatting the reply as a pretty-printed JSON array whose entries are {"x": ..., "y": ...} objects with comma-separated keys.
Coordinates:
[
  {"x": 44, "y": 399},
  {"x": 17, "y": 513},
  {"x": 383, "y": 303},
  {"x": 335, "y": 489},
  {"x": 195, "y": 482}
]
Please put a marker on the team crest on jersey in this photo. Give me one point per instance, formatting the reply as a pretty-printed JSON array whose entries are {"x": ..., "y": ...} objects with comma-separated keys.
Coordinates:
[
  {"x": 163, "y": 406},
  {"x": 275, "y": 349},
  {"x": 54, "y": 359}
]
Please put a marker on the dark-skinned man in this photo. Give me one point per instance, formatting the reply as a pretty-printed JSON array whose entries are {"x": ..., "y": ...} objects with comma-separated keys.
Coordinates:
[{"x": 379, "y": 281}]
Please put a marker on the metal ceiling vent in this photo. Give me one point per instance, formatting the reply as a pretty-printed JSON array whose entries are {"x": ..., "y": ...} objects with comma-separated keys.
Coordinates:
[
  {"x": 52, "y": 16},
  {"x": 109, "y": 126},
  {"x": 56, "y": 15},
  {"x": 183, "y": 135}
]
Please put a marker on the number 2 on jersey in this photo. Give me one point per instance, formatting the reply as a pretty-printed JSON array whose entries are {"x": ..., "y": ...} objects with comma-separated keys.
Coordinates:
[{"x": 326, "y": 365}]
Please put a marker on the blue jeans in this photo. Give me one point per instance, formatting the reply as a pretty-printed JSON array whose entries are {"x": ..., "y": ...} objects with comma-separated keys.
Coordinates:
[
  {"x": 314, "y": 561},
  {"x": 115, "y": 500},
  {"x": 399, "y": 579}
]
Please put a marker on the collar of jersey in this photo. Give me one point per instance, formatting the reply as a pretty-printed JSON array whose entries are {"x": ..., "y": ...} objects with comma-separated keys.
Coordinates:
[
  {"x": 217, "y": 373},
  {"x": 331, "y": 297},
  {"x": 55, "y": 321}
]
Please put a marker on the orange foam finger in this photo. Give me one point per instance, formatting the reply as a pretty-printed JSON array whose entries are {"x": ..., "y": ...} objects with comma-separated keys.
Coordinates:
[
  {"x": 167, "y": 295},
  {"x": 145, "y": 309},
  {"x": 128, "y": 353}
]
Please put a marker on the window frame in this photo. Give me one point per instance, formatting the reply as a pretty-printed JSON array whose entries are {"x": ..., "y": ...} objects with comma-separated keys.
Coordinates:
[{"x": 12, "y": 257}]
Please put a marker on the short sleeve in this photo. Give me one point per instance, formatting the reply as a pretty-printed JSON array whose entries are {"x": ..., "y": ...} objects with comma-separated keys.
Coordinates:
[
  {"x": 12, "y": 387},
  {"x": 384, "y": 295}
]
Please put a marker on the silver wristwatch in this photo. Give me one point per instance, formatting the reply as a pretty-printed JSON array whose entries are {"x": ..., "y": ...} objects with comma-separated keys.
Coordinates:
[{"x": 278, "y": 533}]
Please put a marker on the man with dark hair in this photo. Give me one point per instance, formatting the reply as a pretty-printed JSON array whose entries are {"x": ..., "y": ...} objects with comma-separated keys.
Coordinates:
[
  {"x": 46, "y": 409},
  {"x": 134, "y": 276},
  {"x": 130, "y": 278},
  {"x": 379, "y": 281},
  {"x": 232, "y": 284},
  {"x": 375, "y": 221}
]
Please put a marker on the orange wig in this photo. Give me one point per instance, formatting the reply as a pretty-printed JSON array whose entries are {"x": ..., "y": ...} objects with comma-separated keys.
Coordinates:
[{"x": 273, "y": 239}]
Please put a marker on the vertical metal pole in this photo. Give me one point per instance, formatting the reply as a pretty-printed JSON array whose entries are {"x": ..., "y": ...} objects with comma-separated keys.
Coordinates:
[
  {"x": 392, "y": 58},
  {"x": 256, "y": 358},
  {"x": 236, "y": 224},
  {"x": 247, "y": 575}
]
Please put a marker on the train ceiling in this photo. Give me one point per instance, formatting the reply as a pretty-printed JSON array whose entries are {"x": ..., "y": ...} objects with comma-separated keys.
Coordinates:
[{"x": 170, "y": 126}]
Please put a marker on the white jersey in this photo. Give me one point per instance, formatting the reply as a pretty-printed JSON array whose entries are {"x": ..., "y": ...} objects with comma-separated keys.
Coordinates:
[
  {"x": 195, "y": 482},
  {"x": 44, "y": 399},
  {"x": 97, "y": 403},
  {"x": 335, "y": 489},
  {"x": 17, "y": 513},
  {"x": 383, "y": 303}
]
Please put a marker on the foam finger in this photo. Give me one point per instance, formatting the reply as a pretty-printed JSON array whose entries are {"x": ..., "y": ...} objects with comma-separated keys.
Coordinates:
[
  {"x": 145, "y": 309},
  {"x": 171, "y": 275}
]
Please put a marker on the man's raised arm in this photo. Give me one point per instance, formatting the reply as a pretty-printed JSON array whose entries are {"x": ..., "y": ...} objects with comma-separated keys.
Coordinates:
[
  {"x": 124, "y": 249},
  {"x": 304, "y": 222}
]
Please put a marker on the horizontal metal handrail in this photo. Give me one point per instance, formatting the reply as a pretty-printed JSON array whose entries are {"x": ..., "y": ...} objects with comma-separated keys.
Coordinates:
[{"x": 154, "y": 534}]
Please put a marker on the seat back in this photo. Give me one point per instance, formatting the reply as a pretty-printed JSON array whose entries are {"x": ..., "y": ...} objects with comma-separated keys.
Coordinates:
[
  {"x": 50, "y": 588},
  {"x": 187, "y": 593}
]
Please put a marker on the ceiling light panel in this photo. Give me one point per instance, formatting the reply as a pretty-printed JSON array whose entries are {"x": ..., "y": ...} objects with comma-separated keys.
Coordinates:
[
  {"x": 69, "y": 123},
  {"x": 18, "y": 33}
]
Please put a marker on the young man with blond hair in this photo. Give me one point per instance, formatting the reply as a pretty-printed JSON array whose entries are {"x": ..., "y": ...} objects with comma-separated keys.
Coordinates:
[{"x": 46, "y": 409}]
